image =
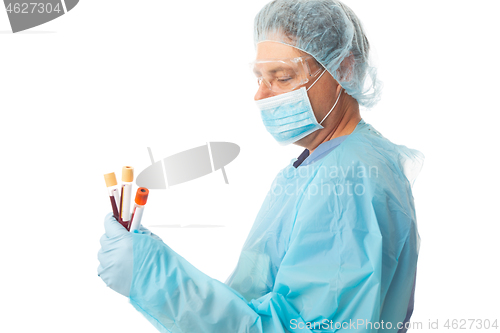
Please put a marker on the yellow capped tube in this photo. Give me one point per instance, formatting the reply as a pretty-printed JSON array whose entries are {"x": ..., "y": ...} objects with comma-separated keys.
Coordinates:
[
  {"x": 127, "y": 179},
  {"x": 114, "y": 194}
]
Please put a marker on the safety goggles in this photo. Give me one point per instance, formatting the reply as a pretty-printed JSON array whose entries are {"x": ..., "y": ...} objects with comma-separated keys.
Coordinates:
[{"x": 284, "y": 75}]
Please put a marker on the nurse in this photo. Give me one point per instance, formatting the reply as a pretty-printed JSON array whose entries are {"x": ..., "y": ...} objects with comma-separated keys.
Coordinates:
[{"x": 335, "y": 244}]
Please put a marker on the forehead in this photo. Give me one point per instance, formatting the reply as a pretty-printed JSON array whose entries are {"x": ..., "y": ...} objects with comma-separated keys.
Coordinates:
[{"x": 275, "y": 50}]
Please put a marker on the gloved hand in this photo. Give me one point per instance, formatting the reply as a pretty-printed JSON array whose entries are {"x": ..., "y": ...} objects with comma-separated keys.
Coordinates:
[{"x": 116, "y": 255}]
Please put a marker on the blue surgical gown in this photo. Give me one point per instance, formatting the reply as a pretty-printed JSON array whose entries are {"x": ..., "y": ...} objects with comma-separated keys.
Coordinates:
[{"x": 334, "y": 247}]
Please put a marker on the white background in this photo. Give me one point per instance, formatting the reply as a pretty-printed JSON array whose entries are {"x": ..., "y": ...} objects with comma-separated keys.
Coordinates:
[{"x": 85, "y": 94}]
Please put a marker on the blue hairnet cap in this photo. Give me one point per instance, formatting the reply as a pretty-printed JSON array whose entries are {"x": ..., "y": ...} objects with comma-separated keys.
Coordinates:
[{"x": 329, "y": 31}]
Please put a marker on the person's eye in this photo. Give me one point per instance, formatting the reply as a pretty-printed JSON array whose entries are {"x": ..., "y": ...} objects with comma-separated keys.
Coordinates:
[{"x": 284, "y": 79}]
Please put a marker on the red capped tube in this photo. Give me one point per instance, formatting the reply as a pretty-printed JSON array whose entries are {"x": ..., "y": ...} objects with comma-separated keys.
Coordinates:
[{"x": 141, "y": 198}]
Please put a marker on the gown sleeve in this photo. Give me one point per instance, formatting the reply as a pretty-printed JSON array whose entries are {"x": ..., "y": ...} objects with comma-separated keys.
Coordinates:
[{"x": 176, "y": 297}]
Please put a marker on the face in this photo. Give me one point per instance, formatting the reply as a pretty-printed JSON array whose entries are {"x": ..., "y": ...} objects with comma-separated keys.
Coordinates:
[{"x": 322, "y": 95}]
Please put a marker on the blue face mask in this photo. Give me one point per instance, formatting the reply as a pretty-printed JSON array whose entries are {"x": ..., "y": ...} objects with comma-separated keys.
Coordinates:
[{"x": 289, "y": 117}]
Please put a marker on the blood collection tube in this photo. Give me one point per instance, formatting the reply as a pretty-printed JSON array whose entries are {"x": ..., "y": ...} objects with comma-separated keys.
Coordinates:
[
  {"x": 127, "y": 179},
  {"x": 114, "y": 194},
  {"x": 140, "y": 200}
]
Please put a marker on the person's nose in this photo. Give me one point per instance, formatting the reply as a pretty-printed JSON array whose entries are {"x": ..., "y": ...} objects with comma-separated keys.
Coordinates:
[{"x": 263, "y": 92}]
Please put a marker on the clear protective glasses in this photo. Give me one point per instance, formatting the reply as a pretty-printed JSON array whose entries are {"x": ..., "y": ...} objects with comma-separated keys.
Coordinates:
[{"x": 284, "y": 75}]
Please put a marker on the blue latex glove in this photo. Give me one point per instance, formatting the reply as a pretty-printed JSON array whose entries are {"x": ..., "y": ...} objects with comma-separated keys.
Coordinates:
[{"x": 116, "y": 256}]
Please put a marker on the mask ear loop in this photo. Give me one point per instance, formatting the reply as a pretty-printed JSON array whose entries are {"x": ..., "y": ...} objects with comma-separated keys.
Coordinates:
[
  {"x": 316, "y": 80},
  {"x": 332, "y": 106}
]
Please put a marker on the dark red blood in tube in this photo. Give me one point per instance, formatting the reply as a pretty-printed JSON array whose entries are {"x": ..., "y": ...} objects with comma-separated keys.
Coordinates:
[
  {"x": 115, "y": 209},
  {"x": 125, "y": 224}
]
